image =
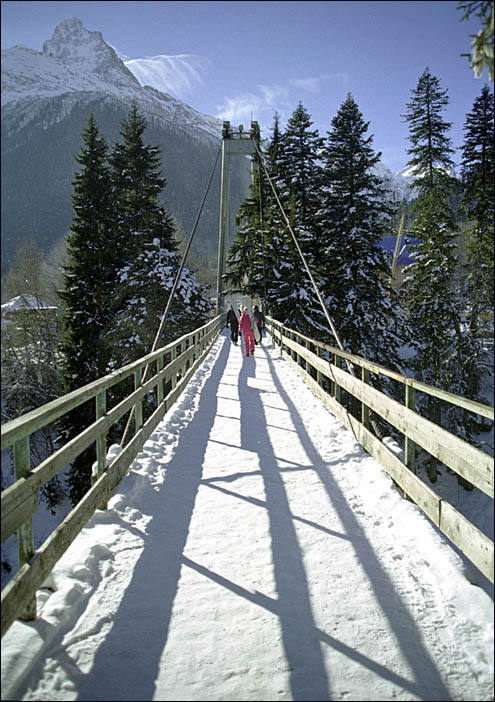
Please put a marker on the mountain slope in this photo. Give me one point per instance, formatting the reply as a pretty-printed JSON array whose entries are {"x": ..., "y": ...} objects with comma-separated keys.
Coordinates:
[{"x": 47, "y": 98}]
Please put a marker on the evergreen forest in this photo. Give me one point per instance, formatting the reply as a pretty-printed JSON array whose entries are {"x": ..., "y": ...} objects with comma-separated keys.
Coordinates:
[
  {"x": 123, "y": 256},
  {"x": 325, "y": 189}
]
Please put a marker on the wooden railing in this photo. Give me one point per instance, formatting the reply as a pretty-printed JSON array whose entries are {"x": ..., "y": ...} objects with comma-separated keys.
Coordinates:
[
  {"x": 469, "y": 462},
  {"x": 173, "y": 365}
]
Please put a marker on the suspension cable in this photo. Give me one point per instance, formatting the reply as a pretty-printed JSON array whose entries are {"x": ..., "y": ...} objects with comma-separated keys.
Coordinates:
[
  {"x": 172, "y": 292},
  {"x": 318, "y": 294},
  {"x": 350, "y": 367}
]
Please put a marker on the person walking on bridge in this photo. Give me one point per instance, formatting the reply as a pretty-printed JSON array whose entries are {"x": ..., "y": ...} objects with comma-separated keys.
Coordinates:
[
  {"x": 247, "y": 332},
  {"x": 259, "y": 318},
  {"x": 233, "y": 323}
]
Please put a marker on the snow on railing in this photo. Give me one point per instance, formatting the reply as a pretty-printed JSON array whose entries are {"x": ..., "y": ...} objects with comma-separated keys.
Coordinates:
[
  {"x": 466, "y": 460},
  {"x": 174, "y": 365}
]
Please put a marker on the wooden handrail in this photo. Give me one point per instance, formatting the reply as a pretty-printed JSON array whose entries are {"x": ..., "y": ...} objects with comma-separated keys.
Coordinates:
[
  {"x": 460, "y": 456},
  {"x": 465, "y": 403},
  {"x": 19, "y": 501}
]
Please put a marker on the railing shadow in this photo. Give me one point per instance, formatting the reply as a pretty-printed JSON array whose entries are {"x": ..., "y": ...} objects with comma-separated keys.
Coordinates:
[
  {"x": 121, "y": 670},
  {"x": 308, "y": 678},
  {"x": 428, "y": 682}
]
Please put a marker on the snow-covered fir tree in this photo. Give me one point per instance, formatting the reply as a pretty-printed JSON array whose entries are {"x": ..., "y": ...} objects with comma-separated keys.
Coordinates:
[
  {"x": 148, "y": 281},
  {"x": 123, "y": 261},
  {"x": 293, "y": 163},
  {"x": 299, "y": 170},
  {"x": 276, "y": 240},
  {"x": 137, "y": 185},
  {"x": 478, "y": 197},
  {"x": 146, "y": 243},
  {"x": 88, "y": 290},
  {"x": 354, "y": 215},
  {"x": 443, "y": 345}
]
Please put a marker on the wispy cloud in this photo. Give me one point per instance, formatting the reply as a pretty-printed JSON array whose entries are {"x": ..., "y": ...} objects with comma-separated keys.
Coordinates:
[
  {"x": 260, "y": 105},
  {"x": 315, "y": 84},
  {"x": 178, "y": 75}
]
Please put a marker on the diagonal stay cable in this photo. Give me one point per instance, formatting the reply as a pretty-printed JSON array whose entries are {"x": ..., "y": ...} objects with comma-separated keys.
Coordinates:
[
  {"x": 174, "y": 286},
  {"x": 350, "y": 367},
  {"x": 303, "y": 258}
]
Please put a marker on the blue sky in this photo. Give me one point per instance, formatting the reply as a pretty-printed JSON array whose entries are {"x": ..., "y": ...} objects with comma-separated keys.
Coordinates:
[{"x": 245, "y": 60}]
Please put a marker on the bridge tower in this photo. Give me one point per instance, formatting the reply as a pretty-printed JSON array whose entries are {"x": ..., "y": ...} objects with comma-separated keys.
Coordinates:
[{"x": 234, "y": 143}]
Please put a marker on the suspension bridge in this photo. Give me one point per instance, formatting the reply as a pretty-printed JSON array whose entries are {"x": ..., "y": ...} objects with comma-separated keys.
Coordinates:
[{"x": 263, "y": 571}]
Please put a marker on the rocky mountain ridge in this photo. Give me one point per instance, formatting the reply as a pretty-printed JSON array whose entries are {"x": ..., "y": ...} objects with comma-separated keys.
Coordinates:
[{"x": 47, "y": 98}]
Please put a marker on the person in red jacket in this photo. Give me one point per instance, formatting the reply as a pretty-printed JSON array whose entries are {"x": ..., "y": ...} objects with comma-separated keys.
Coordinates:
[{"x": 247, "y": 331}]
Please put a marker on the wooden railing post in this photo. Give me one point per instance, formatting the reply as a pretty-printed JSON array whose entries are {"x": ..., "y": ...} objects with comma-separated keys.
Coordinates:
[
  {"x": 410, "y": 446},
  {"x": 160, "y": 394},
  {"x": 336, "y": 386},
  {"x": 138, "y": 407},
  {"x": 365, "y": 411},
  {"x": 101, "y": 441},
  {"x": 318, "y": 373},
  {"x": 25, "y": 539},
  {"x": 176, "y": 373}
]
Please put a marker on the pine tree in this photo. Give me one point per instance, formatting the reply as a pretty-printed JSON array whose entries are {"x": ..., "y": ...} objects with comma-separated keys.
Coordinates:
[
  {"x": 148, "y": 282},
  {"x": 142, "y": 222},
  {"x": 478, "y": 196},
  {"x": 137, "y": 185},
  {"x": 293, "y": 157},
  {"x": 436, "y": 323},
  {"x": 353, "y": 218},
  {"x": 88, "y": 290},
  {"x": 277, "y": 244},
  {"x": 149, "y": 253},
  {"x": 298, "y": 165},
  {"x": 431, "y": 147}
]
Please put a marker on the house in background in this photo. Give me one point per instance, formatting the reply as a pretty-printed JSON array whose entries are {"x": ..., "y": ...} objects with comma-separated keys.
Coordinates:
[{"x": 27, "y": 311}]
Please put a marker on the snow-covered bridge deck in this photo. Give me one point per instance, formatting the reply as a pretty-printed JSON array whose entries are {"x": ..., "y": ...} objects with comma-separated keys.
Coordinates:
[{"x": 255, "y": 552}]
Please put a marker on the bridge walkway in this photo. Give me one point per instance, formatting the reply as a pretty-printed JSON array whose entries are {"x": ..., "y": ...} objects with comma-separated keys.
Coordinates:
[{"x": 256, "y": 552}]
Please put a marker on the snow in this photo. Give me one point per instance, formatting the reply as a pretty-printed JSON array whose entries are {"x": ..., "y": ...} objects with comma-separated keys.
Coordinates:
[
  {"x": 23, "y": 302},
  {"x": 254, "y": 552},
  {"x": 76, "y": 65}
]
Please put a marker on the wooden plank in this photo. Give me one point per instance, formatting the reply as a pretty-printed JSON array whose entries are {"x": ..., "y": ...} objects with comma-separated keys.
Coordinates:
[
  {"x": 468, "y": 539},
  {"x": 29, "y": 578},
  {"x": 465, "y": 459},
  {"x": 470, "y": 405},
  {"x": 40, "y": 417},
  {"x": 20, "y": 590},
  {"x": 20, "y": 491},
  {"x": 421, "y": 493},
  {"x": 21, "y": 513}
]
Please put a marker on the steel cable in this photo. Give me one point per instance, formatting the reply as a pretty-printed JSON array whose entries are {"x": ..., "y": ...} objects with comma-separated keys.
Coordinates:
[{"x": 174, "y": 286}]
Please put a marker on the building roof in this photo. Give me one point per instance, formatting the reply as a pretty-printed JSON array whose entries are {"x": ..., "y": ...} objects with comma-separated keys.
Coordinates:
[{"x": 26, "y": 302}]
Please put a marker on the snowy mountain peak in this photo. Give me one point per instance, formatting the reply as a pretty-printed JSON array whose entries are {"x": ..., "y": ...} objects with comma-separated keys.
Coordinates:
[
  {"x": 79, "y": 49},
  {"x": 75, "y": 63},
  {"x": 74, "y": 59},
  {"x": 398, "y": 183},
  {"x": 71, "y": 41}
]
